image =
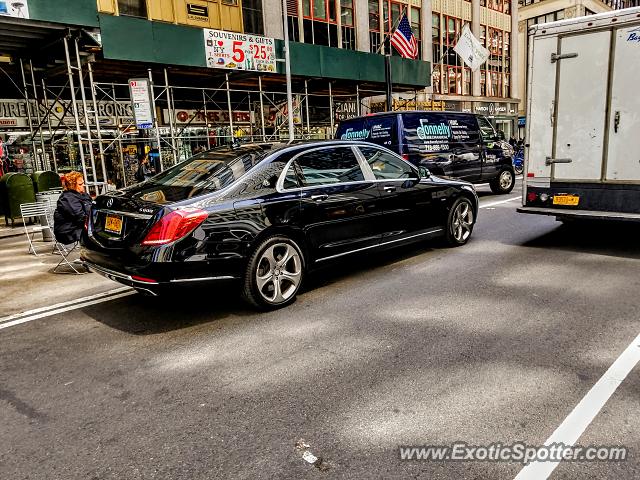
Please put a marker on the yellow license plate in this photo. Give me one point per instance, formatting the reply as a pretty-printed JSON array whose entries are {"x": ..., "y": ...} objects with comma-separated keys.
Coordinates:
[
  {"x": 113, "y": 224},
  {"x": 570, "y": 200}
]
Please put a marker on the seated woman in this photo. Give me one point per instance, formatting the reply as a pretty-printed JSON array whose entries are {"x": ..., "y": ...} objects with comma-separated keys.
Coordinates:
[{"x": 72, "y": 209}]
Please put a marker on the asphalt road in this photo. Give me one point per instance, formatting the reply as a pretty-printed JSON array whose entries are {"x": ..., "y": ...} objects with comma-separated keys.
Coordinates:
[{"x": 496, "y": 341}]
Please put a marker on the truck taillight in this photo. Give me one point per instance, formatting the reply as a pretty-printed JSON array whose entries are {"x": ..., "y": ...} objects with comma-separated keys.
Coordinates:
[
  {"x": 532, "y": 197},
  {"x": 174, "y": 226},
  {"x": 531, "y": 175}
]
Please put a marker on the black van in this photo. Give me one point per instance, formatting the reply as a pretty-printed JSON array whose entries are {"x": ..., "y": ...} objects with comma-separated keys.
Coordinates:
[{"x": 458, "y": 145}]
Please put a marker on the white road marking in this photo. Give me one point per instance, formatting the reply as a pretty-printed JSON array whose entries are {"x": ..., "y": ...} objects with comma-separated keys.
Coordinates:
[
  {"x": 491, "y": 204},
  {"x": 25, "y": 317},
  {"x": 583, "y": 414}
]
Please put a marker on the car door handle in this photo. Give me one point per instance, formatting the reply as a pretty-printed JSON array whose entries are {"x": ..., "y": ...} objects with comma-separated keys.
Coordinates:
[
  {"x": 389, "y": 188},
  {"x": 319, "y": 198}
]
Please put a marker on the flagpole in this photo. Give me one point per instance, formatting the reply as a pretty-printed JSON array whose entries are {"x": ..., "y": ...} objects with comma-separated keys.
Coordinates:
[{"x": 387, "y": 61}]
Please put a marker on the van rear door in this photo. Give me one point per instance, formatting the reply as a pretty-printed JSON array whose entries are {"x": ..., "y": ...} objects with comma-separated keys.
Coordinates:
[
  {"x": 379, "y": 129},
  {"x": 583, "y": 70}
]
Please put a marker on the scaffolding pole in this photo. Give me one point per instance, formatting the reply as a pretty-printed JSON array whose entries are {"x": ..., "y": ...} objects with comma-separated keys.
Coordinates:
[
  {"x": 97, "y": 120},
  {"x": 53, "y": 149},
  {"x": 206, "y": 118},
  {"x": 171, "y": 114},
  {"x": 35, "y": 98},
  {"x": 155, "y": 118},
  {"x": 229, "y": 106},
  {"x": 358, "y": 100},
  {"x": 75, "y": 106},
  {"x": 86, "y": 116},
  {"x": 25, "y": 93},
  {"x": 331, "y": 115},
  {"x": 119, "y": 136},
  {"x": 264, "y": 135},
  {"x": 306, "y": 97}
]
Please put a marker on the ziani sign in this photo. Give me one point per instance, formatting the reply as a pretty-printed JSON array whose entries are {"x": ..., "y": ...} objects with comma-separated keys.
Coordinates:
[{"x": 237, "y": 51}]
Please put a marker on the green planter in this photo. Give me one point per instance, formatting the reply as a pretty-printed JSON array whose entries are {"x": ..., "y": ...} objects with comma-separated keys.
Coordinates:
[
  {"x": 44, "y": 181},
  {"x": 15, "y": 189}
]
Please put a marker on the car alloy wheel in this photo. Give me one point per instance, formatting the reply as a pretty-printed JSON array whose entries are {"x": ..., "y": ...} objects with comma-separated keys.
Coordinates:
[
  {"x": 274, "y": 273},
  {"x": 460, "y": 222}
]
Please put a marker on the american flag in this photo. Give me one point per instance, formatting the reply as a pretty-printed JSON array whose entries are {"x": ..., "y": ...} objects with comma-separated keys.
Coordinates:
[{"x": 404, "y": 40}]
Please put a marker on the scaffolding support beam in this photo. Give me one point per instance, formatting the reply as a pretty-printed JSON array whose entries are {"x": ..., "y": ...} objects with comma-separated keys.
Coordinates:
[
  {"x": 65, "y": 41},
  {"x": 97, "y": 120},
  {"x": 25, "y": 94},
  {"x": 171, "y": 116},
  {"x": 155, "y": 118},
  {"x": 37, "y": 105},
  {"x": 48, "y": 114},
  {"x": 86, "y": 116}
]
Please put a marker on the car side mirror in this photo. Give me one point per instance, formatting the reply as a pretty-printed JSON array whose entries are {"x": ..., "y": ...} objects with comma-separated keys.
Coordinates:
[{"x": 424, "y": 172}]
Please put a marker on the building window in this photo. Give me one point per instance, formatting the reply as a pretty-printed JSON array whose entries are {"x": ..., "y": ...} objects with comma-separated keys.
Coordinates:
[
  {"x": 450, "y": 75},
  {"x": 379, "y": 30},
  {"x": 252, "y": 16},
  {"x": 495, "y": 75},
  {"x": 133, "y": 8},
  {"x": 320, "y": 22}
]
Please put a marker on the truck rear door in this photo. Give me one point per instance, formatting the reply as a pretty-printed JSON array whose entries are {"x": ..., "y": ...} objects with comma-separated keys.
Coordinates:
[
  {"x": 623, "y": 155},
  {"x": 581, "y": 101}
]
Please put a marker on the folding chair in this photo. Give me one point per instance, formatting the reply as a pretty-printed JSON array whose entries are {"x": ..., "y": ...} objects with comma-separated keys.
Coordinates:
[
  {"x": 65, "y": 251},
  {"x": 41, "y": 210}
]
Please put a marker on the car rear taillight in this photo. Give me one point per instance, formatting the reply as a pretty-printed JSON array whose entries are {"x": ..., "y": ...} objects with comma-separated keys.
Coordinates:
[
  {"x": 405, "y": 156},
  {"x": 143, "y": 279},
  {"x": 532, "y": 197},
  {"x": 174, "y": 226}
]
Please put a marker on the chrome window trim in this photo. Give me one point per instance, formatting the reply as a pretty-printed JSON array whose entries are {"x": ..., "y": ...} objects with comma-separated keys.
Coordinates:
[{"x": 280, "y": 183}]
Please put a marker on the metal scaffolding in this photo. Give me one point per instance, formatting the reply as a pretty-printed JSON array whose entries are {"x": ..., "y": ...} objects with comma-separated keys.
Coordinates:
[{"x": 92, "y": 121}]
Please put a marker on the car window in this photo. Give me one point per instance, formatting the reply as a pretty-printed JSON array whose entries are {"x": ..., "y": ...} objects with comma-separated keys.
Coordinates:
[
  {"x": 290, "y": 178},
  {"x": 386, "y": 166},
  {"x": 328, "y": 166},
  {"x": 488, "y": 133}
]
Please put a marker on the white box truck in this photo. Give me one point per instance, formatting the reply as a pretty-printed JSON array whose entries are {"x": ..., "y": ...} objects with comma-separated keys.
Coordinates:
[{"x": 583, "y": 127}]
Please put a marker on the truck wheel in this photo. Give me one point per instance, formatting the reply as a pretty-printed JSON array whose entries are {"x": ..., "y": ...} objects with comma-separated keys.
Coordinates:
[
  {"x": 504, "y": 182},
  {"x": 460, "y": 223},
  {"x": 274, "y": 273}
]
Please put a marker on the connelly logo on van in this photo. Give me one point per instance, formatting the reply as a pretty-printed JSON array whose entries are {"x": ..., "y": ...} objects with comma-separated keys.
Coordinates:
[
  {"x": 425, "y": 130},
  {"x": 357, "y": 135}
]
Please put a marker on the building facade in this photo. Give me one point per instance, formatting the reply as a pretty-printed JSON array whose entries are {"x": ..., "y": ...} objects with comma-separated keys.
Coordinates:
[
  {"x": 533, "y": 12},
  {"x": 362, "y": 25}
]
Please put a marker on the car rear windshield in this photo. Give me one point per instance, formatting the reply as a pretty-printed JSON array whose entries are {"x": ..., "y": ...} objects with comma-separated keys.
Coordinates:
[{"x": 204, "y": 173}]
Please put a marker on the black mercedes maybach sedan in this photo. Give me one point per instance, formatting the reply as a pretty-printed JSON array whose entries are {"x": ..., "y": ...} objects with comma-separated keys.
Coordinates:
[{"x": 266, "y": 214}]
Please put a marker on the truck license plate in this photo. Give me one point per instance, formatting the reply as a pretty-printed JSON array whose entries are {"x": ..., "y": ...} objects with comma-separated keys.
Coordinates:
[
  {"x": 570, "y": 200},
  {"x": 113, "y": 224}
]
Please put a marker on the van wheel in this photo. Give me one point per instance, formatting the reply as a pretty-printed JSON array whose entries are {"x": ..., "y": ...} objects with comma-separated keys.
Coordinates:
[
  {"x": 460, "y": 223},
  {"x": 504, "y": 182},
  {"x": 274, "y": 273}
]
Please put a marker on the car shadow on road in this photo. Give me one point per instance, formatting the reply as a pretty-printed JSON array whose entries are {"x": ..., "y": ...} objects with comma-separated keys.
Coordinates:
[
  {"x": 140, "y": 314},
  {"x": 616, "y": 239}
]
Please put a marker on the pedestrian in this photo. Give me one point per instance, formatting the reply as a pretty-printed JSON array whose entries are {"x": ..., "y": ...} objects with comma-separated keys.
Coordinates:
[
  {"x": 145, "y": 170},
  {"x": 110, "y": 186},
  {"x": 71, "y": 210},
  {"x": 512, "y": 141}
]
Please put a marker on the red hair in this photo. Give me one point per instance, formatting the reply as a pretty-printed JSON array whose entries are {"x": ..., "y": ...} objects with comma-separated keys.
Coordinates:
[{"x": 70, "y": 180}]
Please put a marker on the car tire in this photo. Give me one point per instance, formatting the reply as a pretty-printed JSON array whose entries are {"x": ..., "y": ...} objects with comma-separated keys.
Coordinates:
[
  {"x": 504, "y": 182},
  {"x": 460, "y": 222},
  {"x": 272, "y": 281}
]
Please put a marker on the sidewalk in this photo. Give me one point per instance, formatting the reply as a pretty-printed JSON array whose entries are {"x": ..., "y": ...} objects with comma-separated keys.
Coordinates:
[{"x": 27, "y": 281}]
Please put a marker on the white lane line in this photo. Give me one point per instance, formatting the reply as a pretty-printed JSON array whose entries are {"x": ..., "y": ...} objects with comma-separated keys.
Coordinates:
[
  {"x": 583, "y": 414},
  {"x": 65, "y": 309},
  {"x": 63, "y": 304},
  {"x": 491, "y": 204}
]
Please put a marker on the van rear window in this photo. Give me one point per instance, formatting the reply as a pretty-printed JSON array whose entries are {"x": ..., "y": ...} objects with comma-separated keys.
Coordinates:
[
  {"x": 437, "y": 132},
  {"x": 379, "y": 130}
]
